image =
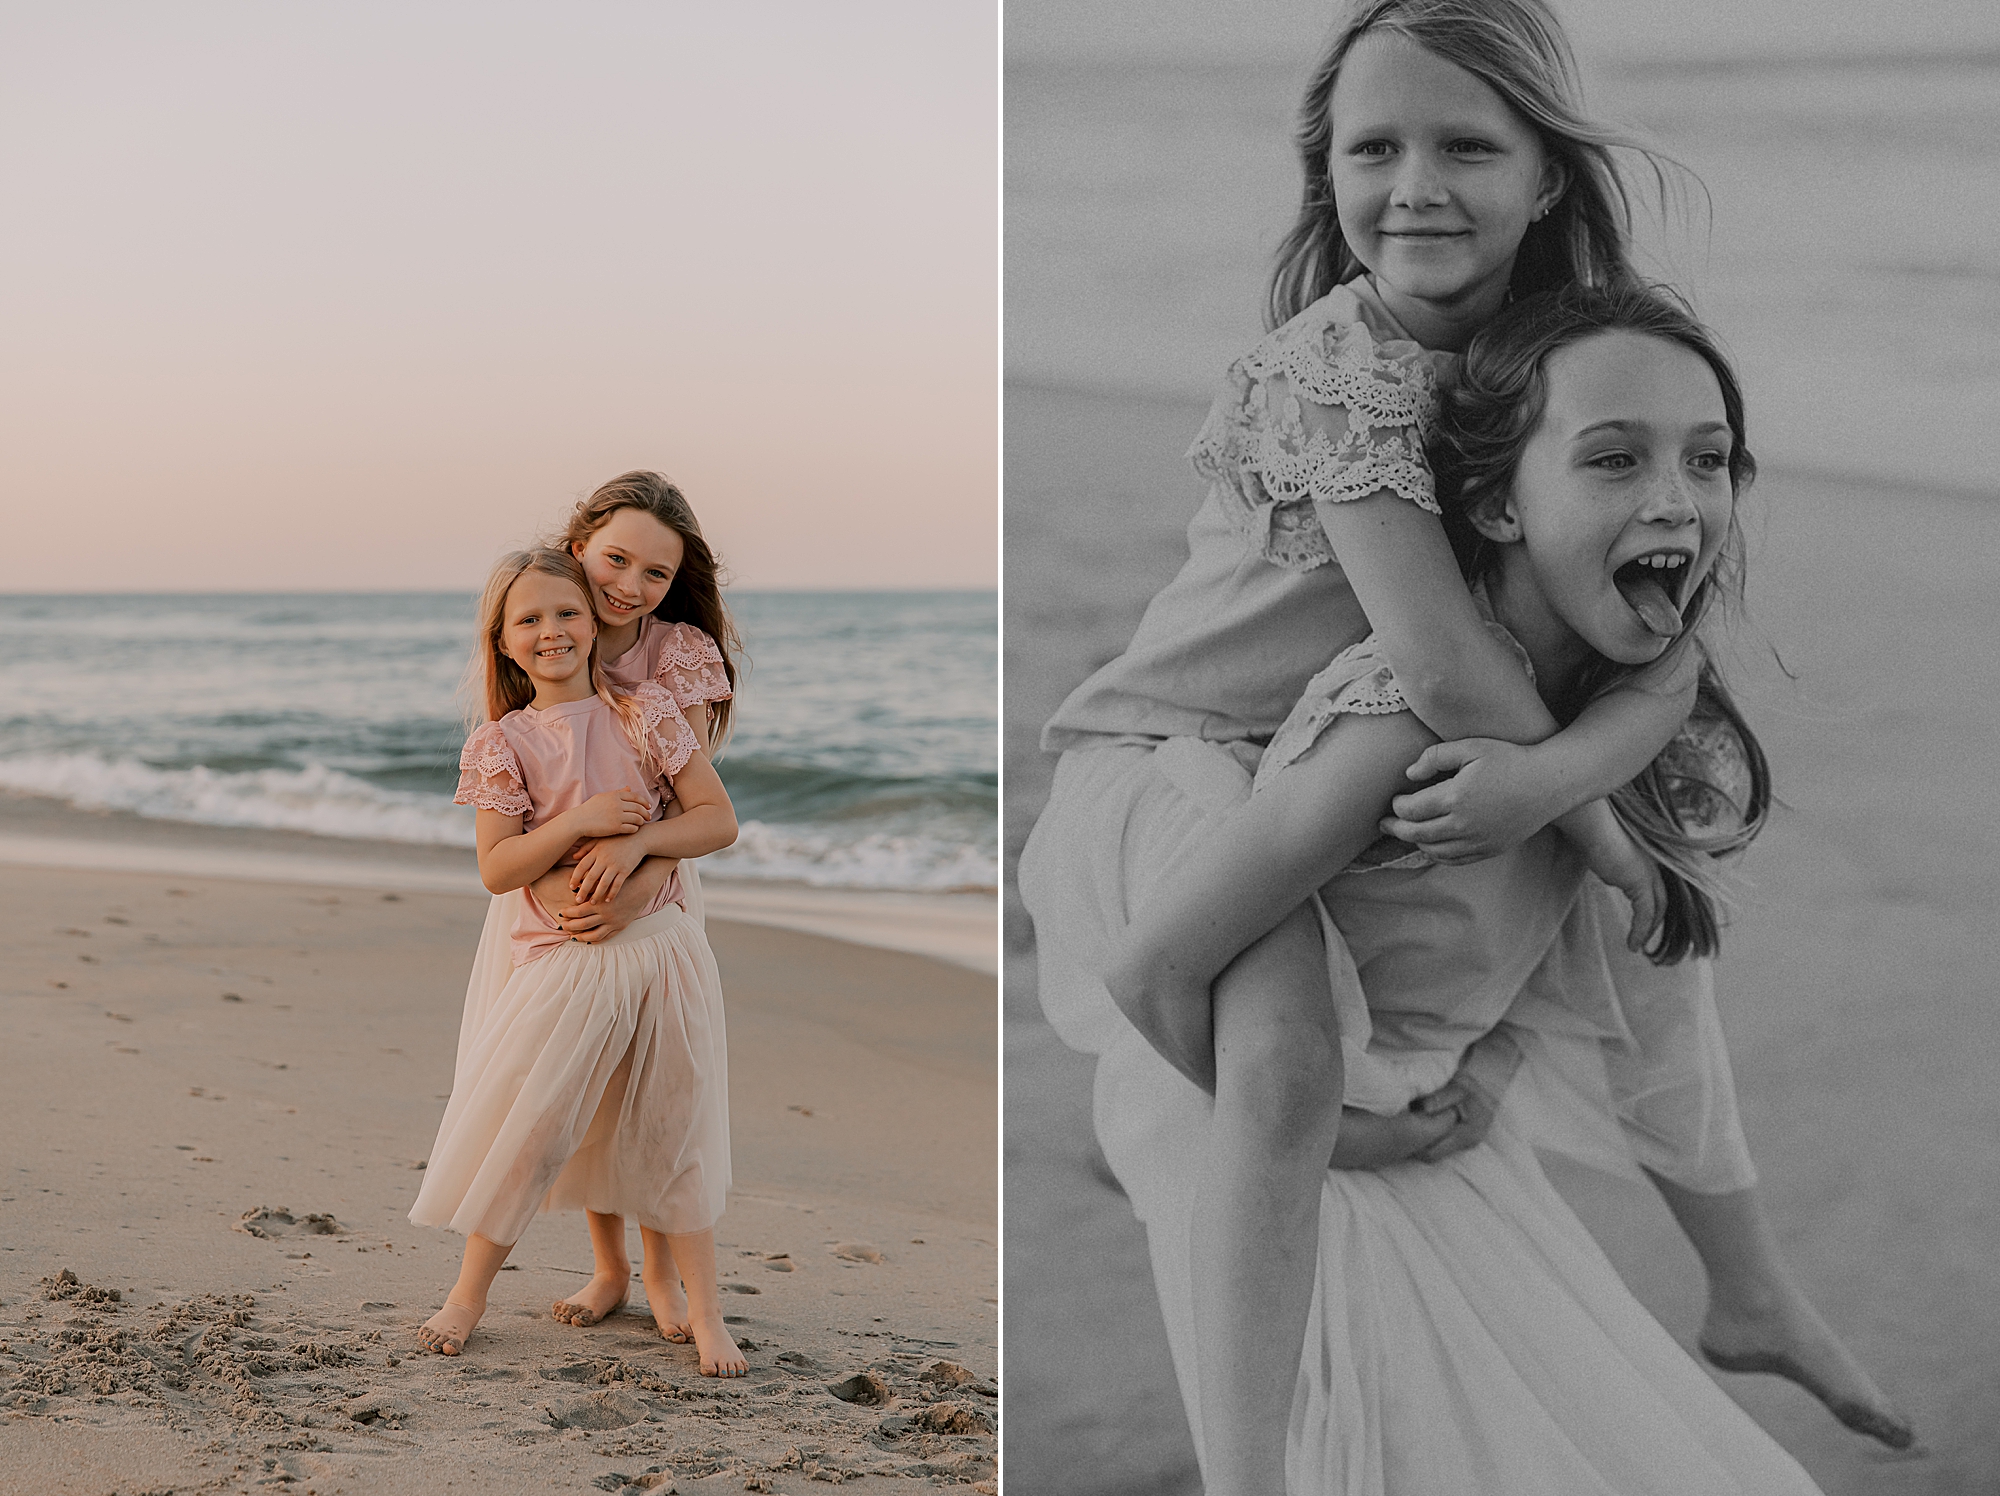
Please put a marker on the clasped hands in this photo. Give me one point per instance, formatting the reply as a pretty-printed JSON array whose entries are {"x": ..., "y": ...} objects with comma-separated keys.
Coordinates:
[
  {"x": 592, "y": 893},
  {"x": 1449, "y": 1120},
  {"x": 1487, "y": 798}
]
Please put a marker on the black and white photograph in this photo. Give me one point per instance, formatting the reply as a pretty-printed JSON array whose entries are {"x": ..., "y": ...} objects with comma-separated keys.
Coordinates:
[{"x": 1499, "y": 821}]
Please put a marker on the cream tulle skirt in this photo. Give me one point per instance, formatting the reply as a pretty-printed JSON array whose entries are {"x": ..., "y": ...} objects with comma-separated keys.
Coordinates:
[
  {"x": 1467, "y": 1334},
  {"x": 595, "y": 1078}
]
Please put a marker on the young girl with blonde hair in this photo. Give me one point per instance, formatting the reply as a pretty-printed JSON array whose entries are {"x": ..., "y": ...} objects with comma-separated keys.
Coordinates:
[
  {"x": 590, "y": 1076},
  {"x": 1449, "y": 169}
]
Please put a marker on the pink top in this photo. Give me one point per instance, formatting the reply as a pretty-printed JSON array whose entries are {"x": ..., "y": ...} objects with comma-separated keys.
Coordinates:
[
  {"x": 538, "y": 764},
  {"x": 679, "y": 656}
]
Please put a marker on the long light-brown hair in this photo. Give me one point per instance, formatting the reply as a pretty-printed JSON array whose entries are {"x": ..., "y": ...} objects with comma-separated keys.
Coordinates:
[
  {"x": 1674, "y": 810},
  {"x": 496, "y": 685},
  {"x": 1517, "y": 49},
  {"x": 695, "y": 595}
]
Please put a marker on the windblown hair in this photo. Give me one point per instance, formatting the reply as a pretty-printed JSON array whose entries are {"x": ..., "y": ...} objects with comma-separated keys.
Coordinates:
[
  {"x": 1517, "y": 49},
  {"x": 695, "y": 596},
  {"x": 495, "y": 685},
  {"x": 1676, "y": 810}
]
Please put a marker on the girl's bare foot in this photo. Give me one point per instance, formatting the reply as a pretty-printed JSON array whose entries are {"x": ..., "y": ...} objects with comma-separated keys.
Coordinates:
[
  {"x": 447, "y": 1330},
  {"x": 719, "y": 1355},
  {"x": 603, "y": 1296},
  {"x": 669, "y": 1302},
  {"x": 1787, "y": 1338}
]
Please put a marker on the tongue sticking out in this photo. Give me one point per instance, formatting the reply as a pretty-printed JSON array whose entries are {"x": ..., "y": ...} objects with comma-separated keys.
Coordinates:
[{"x": 1652, "y": 603}]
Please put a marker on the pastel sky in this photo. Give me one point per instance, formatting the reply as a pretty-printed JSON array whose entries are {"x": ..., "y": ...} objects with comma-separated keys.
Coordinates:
[
  {"x": 357, "y": 295},
  {"x": 1618, "y": 30}
]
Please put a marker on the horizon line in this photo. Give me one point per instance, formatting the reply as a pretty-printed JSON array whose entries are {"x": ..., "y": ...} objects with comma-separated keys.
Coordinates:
[{"x": 447, "y": 591}]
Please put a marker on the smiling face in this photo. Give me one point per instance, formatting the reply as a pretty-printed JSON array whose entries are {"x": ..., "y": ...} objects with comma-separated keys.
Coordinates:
[
  {"x": 546, "y": 629},
  {"x": 631, "y": 560},
  {"x": 1620, "y": 503},
  {"x": 1435, "y": 180}
]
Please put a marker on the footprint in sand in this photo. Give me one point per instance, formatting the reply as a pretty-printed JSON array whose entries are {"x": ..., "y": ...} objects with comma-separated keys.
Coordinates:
[
  {"x": 272, "y": 1224},
  {"x": 864, "y": 1388}
]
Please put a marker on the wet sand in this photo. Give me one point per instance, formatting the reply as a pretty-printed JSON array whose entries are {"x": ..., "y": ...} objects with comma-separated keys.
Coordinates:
[
  {"x": 193, "y": 1056},
  {"x": 1856, "y": 984}
]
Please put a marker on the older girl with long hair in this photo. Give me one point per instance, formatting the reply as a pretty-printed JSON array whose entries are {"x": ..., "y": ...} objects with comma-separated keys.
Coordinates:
[{"x": 1466, "y": 1334}]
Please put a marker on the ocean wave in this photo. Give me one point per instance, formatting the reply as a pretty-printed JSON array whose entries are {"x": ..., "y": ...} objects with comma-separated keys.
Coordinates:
[
  {"x": 327, "y": 802},
  {"x": 881, "y": 860},
  {"x": 315, "y": 799}
]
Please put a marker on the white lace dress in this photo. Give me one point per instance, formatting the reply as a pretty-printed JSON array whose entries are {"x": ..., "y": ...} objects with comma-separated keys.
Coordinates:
[
  {"x": 1466, "y": 1333},
  {"x": 589, "y": 1077}
]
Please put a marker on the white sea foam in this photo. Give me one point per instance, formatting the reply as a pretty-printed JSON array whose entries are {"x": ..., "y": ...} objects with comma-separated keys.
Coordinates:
[
  {"x": 873, "y": 860},
  {"x": 326, "y": 802},
  {"x": 320, "y": 800}
]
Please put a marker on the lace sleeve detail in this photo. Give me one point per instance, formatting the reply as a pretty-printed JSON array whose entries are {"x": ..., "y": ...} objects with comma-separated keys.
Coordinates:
[
  {"x": 1318, "y": 413},
  {"x": 489, "y": 774},
  {"x": 1358, "y": 683},
  {"x": 674, "y": 742},
  {"x": 691, "y": 667}
]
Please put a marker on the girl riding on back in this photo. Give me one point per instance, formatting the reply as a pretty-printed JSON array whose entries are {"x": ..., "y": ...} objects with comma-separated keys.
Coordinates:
[
  {"x": 590, "y": 1076},
  {"x": 1466, "y": 1334},
  {"x": 1448, "y": 169}
]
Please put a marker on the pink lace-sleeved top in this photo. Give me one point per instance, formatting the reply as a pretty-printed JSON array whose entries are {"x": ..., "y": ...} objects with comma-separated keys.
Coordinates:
[
  {"x": 1333, "y": 406},
  {"x": 679, "y": 657},
  {"x": 538, "y": 764}
]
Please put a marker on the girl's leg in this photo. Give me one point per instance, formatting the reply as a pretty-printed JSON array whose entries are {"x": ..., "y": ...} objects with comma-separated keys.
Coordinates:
[
  {"x": 664, "y": 1291},
  {"x": 1255, "y": 1230},
  {"x": 1253, "y": 863},
  {"x": 1760, "y": 1320},
  {"x": 447, "y": 1330},
  {"x": 692, "y": 1256},
  {"x": 611, "y": 1278}
]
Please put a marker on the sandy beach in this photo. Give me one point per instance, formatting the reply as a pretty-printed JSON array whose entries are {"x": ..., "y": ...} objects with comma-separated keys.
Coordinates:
[
  {"x": 1856, "y": 983},
  {"x": 220, "y": 1093}
]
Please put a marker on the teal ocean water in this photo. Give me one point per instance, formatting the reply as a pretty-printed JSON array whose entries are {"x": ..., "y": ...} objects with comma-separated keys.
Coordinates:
[{"x": 864, "y": 753}]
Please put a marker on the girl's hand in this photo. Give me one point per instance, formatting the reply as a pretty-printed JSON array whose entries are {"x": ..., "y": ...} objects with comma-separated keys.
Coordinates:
[
  {"x": 1622, "y": 865},
  {"x": 1369, "y": 1141},
  {"x": 1492, "y": 801},
  {"x": 1454, "y": 1117},
  {"x": 603, "y": 868},
  {"x": 616, "y": 812},
  {"x": 1471, "y": 1097},
  {"x": 592, "y": 923}
]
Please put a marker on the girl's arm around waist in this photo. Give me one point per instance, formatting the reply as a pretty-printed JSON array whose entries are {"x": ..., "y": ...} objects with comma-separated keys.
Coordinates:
[
  {"x": 707, "y": 821},
  {"x": 510, "y": 858}
]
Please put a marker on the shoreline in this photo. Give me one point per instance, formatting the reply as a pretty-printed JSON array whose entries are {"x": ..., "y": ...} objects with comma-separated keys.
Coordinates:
[{"x": 959, "y": 927}]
